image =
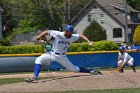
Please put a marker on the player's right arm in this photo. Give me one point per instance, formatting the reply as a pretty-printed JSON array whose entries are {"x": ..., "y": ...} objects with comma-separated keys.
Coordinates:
[
  {"x": 124, "y": 60},
  {"x": 86, "y": 39}
]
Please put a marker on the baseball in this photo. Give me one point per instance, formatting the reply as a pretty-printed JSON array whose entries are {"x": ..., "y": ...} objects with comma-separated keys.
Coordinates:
[{"x": 90, "y": 43}]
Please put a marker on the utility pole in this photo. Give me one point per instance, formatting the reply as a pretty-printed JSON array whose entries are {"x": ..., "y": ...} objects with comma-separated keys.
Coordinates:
[
  {"x": 69, "y": 10},
  {"x": 1, "y": 10},
  {"x": 63, "y": 14},
  {"x": 126, "y": 21}
]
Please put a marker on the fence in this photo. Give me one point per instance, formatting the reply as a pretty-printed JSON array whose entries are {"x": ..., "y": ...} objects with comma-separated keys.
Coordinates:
[{"x": 100, "y": 59}]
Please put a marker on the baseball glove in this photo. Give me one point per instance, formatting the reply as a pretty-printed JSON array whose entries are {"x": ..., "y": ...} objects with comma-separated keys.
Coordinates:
[{"x": 47, "y": 46}]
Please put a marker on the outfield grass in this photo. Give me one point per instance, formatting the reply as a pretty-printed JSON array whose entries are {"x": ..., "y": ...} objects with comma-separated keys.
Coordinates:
[
  {"x": 18, "y": 80},
  {"x": 10, "y": 80},
  {"x": 134, "y": 90}
]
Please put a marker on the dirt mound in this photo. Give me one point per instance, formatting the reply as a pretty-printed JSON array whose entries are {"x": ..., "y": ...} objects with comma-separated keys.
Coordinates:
[{"x": 77, "y": 81}]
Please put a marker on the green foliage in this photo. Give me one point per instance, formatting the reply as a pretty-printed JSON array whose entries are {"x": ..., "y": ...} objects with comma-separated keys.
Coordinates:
[
  {"x": 79, "y": 47},
  {"x": 134, "y": 3},
  {"x": 4, "y": 42},
  {"x": 97, "y": 46},
  {"x": 95, "y": 32},
  {"x": 24, "y": 26},
  {"x": 104, "y": 45},
  {"x": 21, "y": 49},
  {"x": 136, "y": 37},
  {"x": 75, "y": 47},
  {"x": 41, "y": 13},
  {"x": 10, "y": 80}
]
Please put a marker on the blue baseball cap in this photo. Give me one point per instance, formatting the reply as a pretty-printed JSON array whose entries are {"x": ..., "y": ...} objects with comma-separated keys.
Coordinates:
[
  {"x": 121, "y": 48},
  {"x": 69, "y": 28}
]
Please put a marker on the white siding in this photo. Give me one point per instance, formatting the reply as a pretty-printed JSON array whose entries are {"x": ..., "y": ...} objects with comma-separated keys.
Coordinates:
[{"x": 108, "y": 24}]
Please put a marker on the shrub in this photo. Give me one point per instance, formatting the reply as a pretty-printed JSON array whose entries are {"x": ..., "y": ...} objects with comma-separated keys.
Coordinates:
[
  {"x": 75, "y": 47},
  {"x": 95, "y": 32},
  {"x": 97, "y": 46},
  {"x": 136, "y": 37},
  {"x": 104, "y": 45},
  {"x": 21, "y": 49}
]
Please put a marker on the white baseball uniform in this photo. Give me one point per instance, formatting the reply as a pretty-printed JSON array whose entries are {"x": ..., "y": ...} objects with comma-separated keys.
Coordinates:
[
  {"x": 126, "y": 58},
  {"x": 59, "y": 49}
]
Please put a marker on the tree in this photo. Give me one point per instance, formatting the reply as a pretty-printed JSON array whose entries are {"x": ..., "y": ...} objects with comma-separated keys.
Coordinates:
[
  {"x": 95, "y": 32},
  {"x": 21, "y": 16},
  {"x": 134, "y": 3},
  {"x": 136, "y": 37}
]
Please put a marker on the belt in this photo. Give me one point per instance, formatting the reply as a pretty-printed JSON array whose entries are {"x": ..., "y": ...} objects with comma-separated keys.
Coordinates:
[{"x": 58, "y": 53}]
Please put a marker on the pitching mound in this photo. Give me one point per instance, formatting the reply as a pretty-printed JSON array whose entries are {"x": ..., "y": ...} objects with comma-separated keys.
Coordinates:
[{"x": 77, "y": 81}]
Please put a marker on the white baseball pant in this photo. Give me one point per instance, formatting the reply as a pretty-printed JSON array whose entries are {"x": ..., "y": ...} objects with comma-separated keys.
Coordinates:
[
  {"x": 62, "y": 59},
  {"x": 130, "y": 62}
]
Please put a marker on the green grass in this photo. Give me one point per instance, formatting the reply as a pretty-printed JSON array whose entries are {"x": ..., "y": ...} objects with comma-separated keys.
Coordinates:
[
  {"x": 18, "y": 80},
  {"x": 10, "y": 80},
  {"x": 133, "y": 90},
  {"x": 130, "y": 90}
]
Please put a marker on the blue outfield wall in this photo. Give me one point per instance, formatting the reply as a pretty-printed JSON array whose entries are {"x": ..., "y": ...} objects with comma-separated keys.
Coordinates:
[{"x": 26, "y": 63}]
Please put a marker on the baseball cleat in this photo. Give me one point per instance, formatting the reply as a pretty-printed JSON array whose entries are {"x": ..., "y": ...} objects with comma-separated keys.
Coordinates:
[
  {"x": 94, "y": 72},
  {"x": 31, "y": 80},
  {"x": 100, "y": 73},
  {"x": 120, "y": 70},
  {"x": 133, "y": 68}
]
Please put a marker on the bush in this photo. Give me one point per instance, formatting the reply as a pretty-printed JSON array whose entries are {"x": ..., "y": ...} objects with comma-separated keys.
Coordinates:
[
  {"x": 95, "y": 32},
  {"x": 79, "y": 47},
  {"x": 136, "y": 37},
  {"x": 75, "y": 47},
  {"x": 97, "y": 46},
  {"x": 104, "y": 46},
  {"x": 4, "y": 42},
  {"x": 21, "y": 49}
]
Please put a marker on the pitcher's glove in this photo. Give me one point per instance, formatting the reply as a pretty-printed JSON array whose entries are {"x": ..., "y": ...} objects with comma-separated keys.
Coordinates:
[{"x": 47, "y": 46}]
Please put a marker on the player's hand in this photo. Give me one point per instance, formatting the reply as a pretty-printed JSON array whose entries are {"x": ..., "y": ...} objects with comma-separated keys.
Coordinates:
[
  {"x": 90, "y": 43},
  {"x": 38, "y": 38},
  {"x": 42, "y": 41}
]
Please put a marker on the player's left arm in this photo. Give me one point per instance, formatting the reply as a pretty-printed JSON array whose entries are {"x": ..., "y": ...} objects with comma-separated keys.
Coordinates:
[
  {"x": 123, "y": 64},
  {"x": 86, "y": 39},
  {"x": 42, "y": 37}
]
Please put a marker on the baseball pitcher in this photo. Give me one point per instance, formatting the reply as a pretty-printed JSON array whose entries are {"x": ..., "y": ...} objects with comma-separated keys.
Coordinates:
[{"x": 60, "y": 45}]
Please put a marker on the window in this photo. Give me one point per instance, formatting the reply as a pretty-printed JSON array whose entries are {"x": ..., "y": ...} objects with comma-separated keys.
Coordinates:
[
  {"x": 102, "y": 18},
  {"x": 134, "y": 16},
  {"x": 95, "y": 7},
  {"x": 89, "y": 18},
  {"x": 117, "y": 32}
]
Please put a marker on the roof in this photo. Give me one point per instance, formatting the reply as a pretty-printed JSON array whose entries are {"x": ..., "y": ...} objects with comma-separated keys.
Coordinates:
[{"x": 112, "y": 7}]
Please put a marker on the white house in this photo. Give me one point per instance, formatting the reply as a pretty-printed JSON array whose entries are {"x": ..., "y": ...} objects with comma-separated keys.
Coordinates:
[{"x": 110, "y": 14}]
